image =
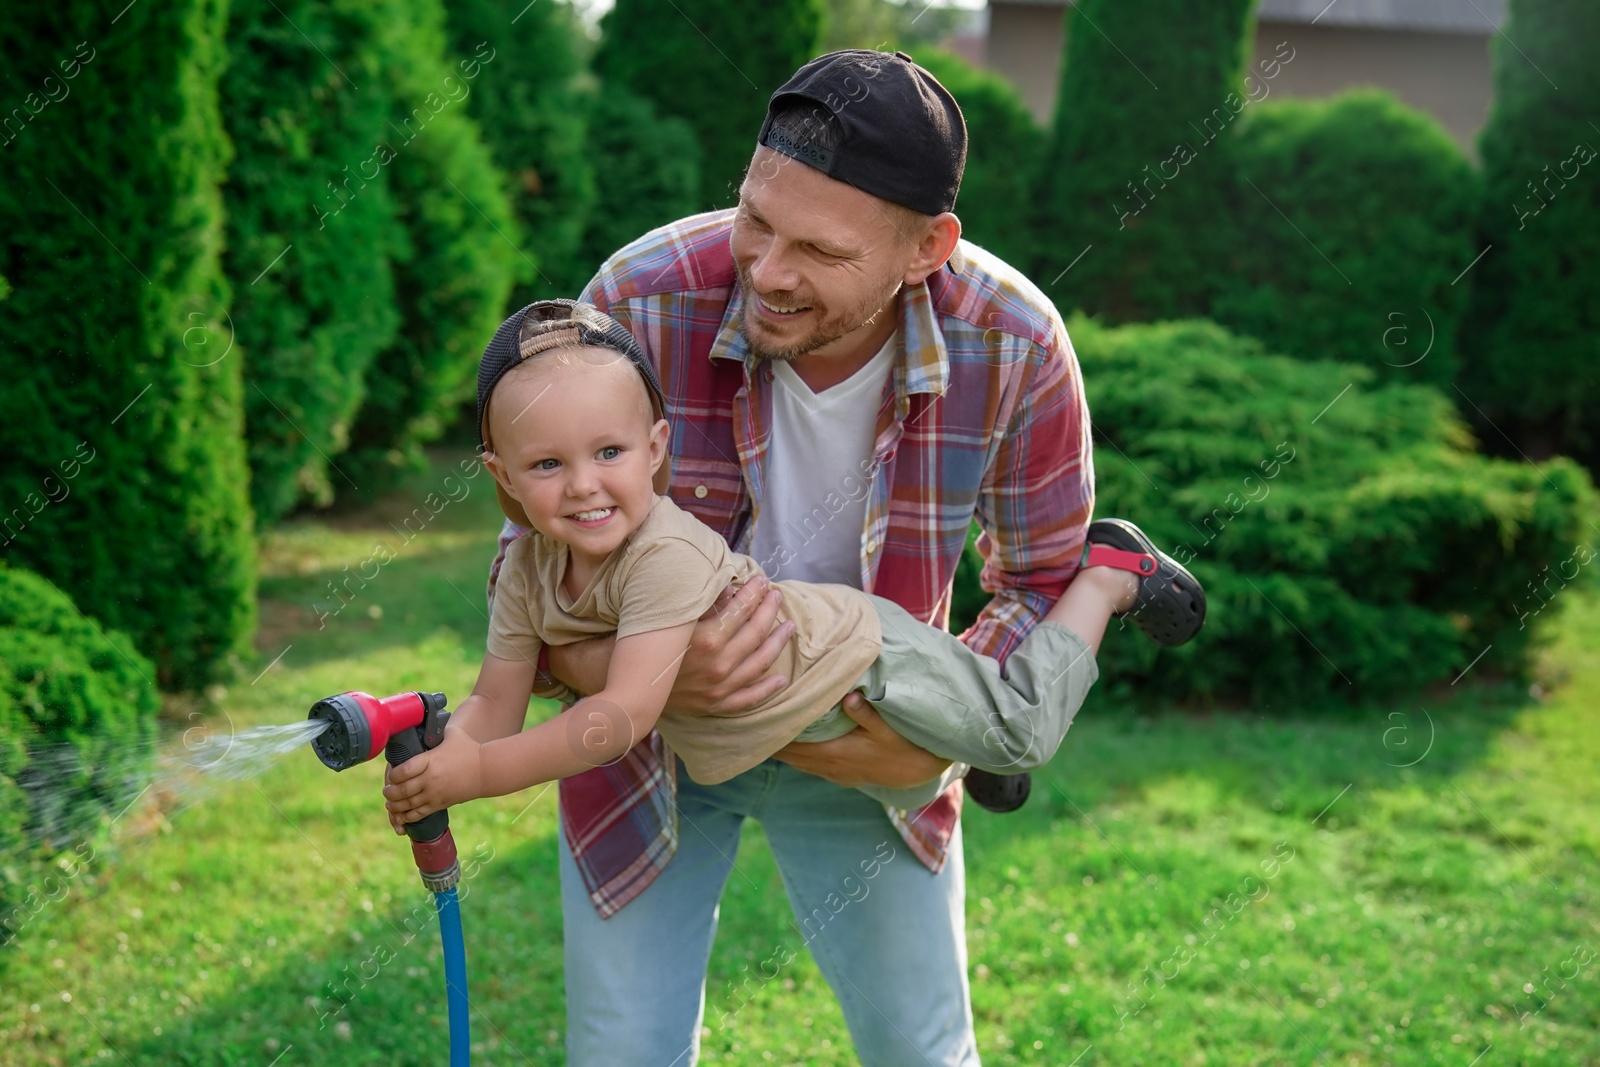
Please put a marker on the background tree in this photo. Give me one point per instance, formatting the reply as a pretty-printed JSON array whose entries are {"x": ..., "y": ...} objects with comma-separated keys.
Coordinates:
[
  {"x": 1532, "y": 341},
  {"x": 459, "y": 257},
  {"x": 651, "y": 176},
  {"x": 533, "y": 117},
  {"x": 1004, "y": 150},
  {"x": 120, "y": 427},
  {"x": 1377, "y": 205},
  {"x": 712, "y": 63},
  {"x": 306, "y": 183},
  {"x": 1131, "y": 172},
  {"x": 885, "y": 24}
]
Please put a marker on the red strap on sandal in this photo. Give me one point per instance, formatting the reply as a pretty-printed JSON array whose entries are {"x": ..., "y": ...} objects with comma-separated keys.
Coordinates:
[{"x": 1105, "y": 556}]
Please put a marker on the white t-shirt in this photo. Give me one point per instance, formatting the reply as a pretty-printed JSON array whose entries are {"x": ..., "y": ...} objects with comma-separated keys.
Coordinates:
[{"x": 816, "y": 487}]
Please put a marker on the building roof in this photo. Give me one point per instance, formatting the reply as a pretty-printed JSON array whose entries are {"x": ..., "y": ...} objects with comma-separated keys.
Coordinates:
[{"x": 1436, "y": 16}]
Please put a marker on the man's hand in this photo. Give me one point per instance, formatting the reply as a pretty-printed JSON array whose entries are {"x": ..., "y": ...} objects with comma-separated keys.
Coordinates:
[
  {"x": 439, "y": 778},
  {"x": 733, "y": 646},
  {"x": 873, "y": 754}
]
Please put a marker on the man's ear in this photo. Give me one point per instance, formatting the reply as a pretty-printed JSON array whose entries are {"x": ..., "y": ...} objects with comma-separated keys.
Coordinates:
[{"x": 938, "y": 244}]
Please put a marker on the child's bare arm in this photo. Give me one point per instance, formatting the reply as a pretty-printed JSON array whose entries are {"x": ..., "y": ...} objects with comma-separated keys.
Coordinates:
[
  {"x": 486, "y": 756},
  {"x": 498, "y": 705},
  {"x": 597, "y": 729}
]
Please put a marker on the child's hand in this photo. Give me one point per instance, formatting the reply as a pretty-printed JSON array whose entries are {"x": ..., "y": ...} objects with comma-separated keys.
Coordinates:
[{"x": 439, "y": 778}]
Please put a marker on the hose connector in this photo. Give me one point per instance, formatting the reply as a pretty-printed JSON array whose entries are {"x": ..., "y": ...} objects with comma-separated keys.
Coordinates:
[
  {"x": 437, "y": 862},
  {"x": 442, "y": 880}
]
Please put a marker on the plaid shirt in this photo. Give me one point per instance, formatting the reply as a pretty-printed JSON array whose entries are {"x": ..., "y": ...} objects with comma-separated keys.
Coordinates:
[{"x": 983, "y": 416}]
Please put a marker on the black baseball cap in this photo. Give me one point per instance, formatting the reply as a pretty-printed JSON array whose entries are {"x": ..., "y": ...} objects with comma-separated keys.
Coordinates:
[
  {"x": 540, "y": 327},
  {"x": 899, "y": 133}
]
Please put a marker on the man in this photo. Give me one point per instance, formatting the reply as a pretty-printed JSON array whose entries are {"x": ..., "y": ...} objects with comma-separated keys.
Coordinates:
[{"x": 848, "y": 384}]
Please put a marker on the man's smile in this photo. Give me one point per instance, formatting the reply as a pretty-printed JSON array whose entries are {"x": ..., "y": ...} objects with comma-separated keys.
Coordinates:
[{"x": 774, "y": 310}]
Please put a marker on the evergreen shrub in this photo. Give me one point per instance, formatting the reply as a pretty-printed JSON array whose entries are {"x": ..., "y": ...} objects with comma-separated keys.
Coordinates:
[
  {"x": 1135, "y": 177},
  {"x": 458, "y": 250},
  {"x": 1532, "y": 343},
  {"x": 1349, "y": 539},
  {"x": 307, "y": 183},
  {"x": 712, "y": 63},
  {"x": 1377, "y": 205},
  {"x": 77, "y": 724},
  {"x": 1004, "y": 150},
  {"x": 1350, "y": 542},
  {"x": 123, "y": 477}
]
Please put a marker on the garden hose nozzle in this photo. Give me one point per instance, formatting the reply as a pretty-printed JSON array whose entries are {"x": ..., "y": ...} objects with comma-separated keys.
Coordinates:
[
  {"x": 402, "y": 726},
  {"x": 360, "y": 724}
]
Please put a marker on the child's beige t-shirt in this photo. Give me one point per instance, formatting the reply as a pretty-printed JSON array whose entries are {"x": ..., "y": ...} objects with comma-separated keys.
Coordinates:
[{"x": 669, "y": 572}]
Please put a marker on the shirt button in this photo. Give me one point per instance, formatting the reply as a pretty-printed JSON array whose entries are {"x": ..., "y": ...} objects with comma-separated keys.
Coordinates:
[
  {"x": 872, "y": 546},
  {"x": 700, "y": 492}
]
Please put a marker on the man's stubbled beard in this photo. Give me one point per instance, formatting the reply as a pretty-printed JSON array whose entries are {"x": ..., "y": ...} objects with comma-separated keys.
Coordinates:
[{"x": 828, "y": 331}]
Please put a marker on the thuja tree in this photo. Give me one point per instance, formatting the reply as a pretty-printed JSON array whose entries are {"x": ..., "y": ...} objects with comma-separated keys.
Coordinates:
[
  {"x": 1532, "y": 341},
  {"x": 123, "y": 475},
  {"x": 1352, "y": 219},
  {"x": 457, "y": 254},
  {"x": 311, "y": 228},
  {"x": 712, "y": 63},
  {"x": 1004, "y": 147},
  {"x": 532, "y": 114},
  {"x": 1135, "y": 179},
  {"x": 651, "y": 177}
]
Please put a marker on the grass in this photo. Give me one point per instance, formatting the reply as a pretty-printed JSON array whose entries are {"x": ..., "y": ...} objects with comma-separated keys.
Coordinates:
[{"x": 278, "y": 921}]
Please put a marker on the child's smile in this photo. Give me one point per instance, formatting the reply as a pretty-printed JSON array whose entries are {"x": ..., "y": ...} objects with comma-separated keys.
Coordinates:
[{"x": 574, "y": 442}]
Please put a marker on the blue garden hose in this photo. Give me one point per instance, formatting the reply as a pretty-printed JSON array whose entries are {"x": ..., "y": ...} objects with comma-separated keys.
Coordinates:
[
  {"x": 404, "y": 726},
  {"x": 455, "y": 976}
]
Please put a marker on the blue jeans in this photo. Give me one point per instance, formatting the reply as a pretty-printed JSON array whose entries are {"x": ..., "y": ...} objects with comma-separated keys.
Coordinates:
[{"x": 889, "y": 935}]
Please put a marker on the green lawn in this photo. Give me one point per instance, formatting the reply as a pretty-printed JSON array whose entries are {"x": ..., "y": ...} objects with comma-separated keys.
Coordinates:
[{"x": 1113, "y": 921}]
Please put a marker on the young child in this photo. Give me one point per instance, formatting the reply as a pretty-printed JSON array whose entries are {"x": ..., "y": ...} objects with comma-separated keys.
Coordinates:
[{"x": 570, "y": 418}]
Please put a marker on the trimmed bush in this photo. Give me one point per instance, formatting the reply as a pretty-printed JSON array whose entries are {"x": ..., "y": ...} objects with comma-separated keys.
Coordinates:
[
  {"x": 712, "y": 63},
  {"x": 123, "y": 479},
  {"x": 1350, "y": 542},
  {"x": 458, "y": 260},
  {"x": 77, "y": 723},
  {"x": 1533, "y": 338},
  {"x": 1004, "y": 150},
  {"x": 307, "y": 183},
  {"x": 1132, "y": 180},
  {"x": 1376, "y": 223},
  {"x": 1349, "y": 539},
  {"x": 652, "y": 176},
  {"x": 533, "y": 120}
]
